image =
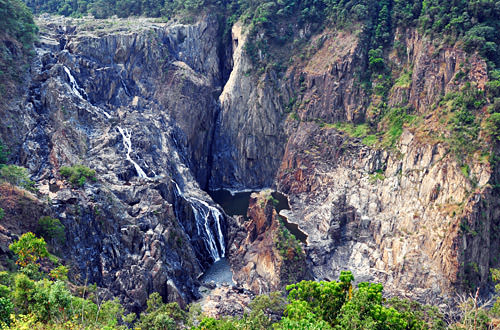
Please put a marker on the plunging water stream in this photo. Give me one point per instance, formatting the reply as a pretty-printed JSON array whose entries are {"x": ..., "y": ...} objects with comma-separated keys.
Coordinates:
[
  {"x": 75, "y": 88},
  {"x": 74, "y": 85},
  {"x": 213, "y": 237},
  {"x": 127, "y": 143}
]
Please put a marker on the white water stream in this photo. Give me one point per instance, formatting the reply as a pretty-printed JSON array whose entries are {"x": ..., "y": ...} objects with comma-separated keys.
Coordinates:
[
  {"x": 75, "y": 88},
  {"x": 202, "y": 213},
  {"x": 74, "y": 85},
  {"x": 127, "y": 143}
]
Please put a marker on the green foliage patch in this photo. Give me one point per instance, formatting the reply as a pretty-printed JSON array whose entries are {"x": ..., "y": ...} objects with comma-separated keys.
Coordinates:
[
  {"x": 17, "y": 176},
  {"x": 78, "y": 174},
  {"x": 29, "y": 249},
  {"x": 51, "y": 229}
]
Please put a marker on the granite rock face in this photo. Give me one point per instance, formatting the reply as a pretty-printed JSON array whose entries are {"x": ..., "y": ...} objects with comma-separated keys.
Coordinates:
[
  {"x": 137, "y": 105},
  {"x": 390, "y": 219},
  {"x": 249, "y": 136},
  {"x": 407, "y": 217},
  {"x": 163, "y": 112}
]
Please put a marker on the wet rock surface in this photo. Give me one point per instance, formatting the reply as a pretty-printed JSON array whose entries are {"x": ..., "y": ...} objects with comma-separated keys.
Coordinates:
[{"x": 137, "y": 105}]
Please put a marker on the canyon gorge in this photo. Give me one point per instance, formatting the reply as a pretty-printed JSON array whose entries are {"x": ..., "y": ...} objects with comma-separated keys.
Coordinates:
[{"x": 167, "y": 113}]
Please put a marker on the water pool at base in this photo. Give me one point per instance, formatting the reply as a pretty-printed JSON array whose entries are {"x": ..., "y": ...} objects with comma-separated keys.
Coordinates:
[
  {"x": 220, "y": 272},
  {"x": 237, "y": 204}
]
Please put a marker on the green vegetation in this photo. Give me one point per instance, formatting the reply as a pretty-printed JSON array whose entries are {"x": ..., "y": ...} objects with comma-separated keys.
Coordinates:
[
  {"x": 293, "y": 256},
  {"x": 376, "y": 176},
  {"x": 34, "y": 298},
  {"x": 29, "y": 249},
  {"x": 16, "y": 176},
  {"x": 37, "y": 298},
  {"x": 161, "y": 316},
  {"x": 333, "y": 305},
  {"x": 17, "y": 22},
  {"x": 361, "y": 131},
  {"x": 404, "y": 80},
  {"x": 121, "y": 8},
  {"x": 393, "y": 121},
  {"x": 77, "y": 174},
  {"x": 17, "y": 33},
  {"x": 4, "y": 153},
  {"x": 51, "y": 230}
]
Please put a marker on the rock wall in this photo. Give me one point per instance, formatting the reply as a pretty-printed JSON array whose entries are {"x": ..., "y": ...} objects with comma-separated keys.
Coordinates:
[
  {"x": 135, "y": 101},
  {"x": 402, "y": 217},
  {"x": 249, "y": 135},
  {"x": 407, "y": 217}
]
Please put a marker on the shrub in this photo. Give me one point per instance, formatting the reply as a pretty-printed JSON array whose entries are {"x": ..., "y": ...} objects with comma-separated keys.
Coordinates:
[
  {"x": 6, "y": 308},
  {"x": 17, "y": 176},
  {"x": 3, "y": 153},
  {"x": 29, "y": 249},
  {"x": 51, "y": 229},
  {"x": 59, "y": 273},
  {"x": 77, "y": 174},
  {"x": 161, "y": 316}
]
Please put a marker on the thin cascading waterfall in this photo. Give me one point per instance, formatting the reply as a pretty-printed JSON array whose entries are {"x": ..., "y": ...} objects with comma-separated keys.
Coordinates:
[
  {"x": 213, "y": 238},
  {"x": 75, "y": 88},
  {"x": 207, "y": 213},
  {"x": 74, "y": 85},
  {"x": 127, "y": 143},
  {"x": 202, "y": 216}
]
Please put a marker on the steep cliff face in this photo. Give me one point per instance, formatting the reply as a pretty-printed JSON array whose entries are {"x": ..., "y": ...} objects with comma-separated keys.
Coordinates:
[
  {"x": 411, "y": 216},
  {"x": 135, "y": 101},
  {"x": 406, "y": 217},
  {"x": 249, "y": 135}
]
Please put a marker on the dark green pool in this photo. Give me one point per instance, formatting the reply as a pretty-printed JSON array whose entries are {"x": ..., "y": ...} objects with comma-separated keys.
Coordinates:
[{"x": 237, "y": 204}]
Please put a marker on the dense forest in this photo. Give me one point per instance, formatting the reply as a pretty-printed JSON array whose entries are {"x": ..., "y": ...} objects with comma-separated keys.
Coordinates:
[
  {"x": 473, "y": 22},
  {"x": 17, "y": 33}
]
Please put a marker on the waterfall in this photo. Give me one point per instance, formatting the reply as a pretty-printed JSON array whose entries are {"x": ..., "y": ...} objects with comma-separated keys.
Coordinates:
[
  {"x": 76, "y": 90},
  {"x": 127, "y": 143},
  {"x": 73, "y": 83},
  {"x": 203, "y": 212}
]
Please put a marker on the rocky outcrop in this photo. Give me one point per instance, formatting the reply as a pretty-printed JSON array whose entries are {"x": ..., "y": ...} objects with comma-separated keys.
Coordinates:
[
  {"x": 227, "y": 301},
  {"x": 21, "y": 211},
  {"x": 433, "y": 71},
  {"x": 327, "y": 86},
  {"x": 388, "y": 219},
  {"x": 138, "y": 106},
  {"x": 258, "y": 263}
]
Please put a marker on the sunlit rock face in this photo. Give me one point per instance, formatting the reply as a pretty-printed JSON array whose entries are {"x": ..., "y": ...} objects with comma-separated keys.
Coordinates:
[{"x": 163, "y": 112}]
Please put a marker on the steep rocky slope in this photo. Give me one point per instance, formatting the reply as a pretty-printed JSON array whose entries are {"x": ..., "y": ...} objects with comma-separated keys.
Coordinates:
[
  {"x": 151, "y": 107},
  {"x": 406, "y": 215},
  {"x": 263, "y": 260},
  {"x": 133, "y": 100}
]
